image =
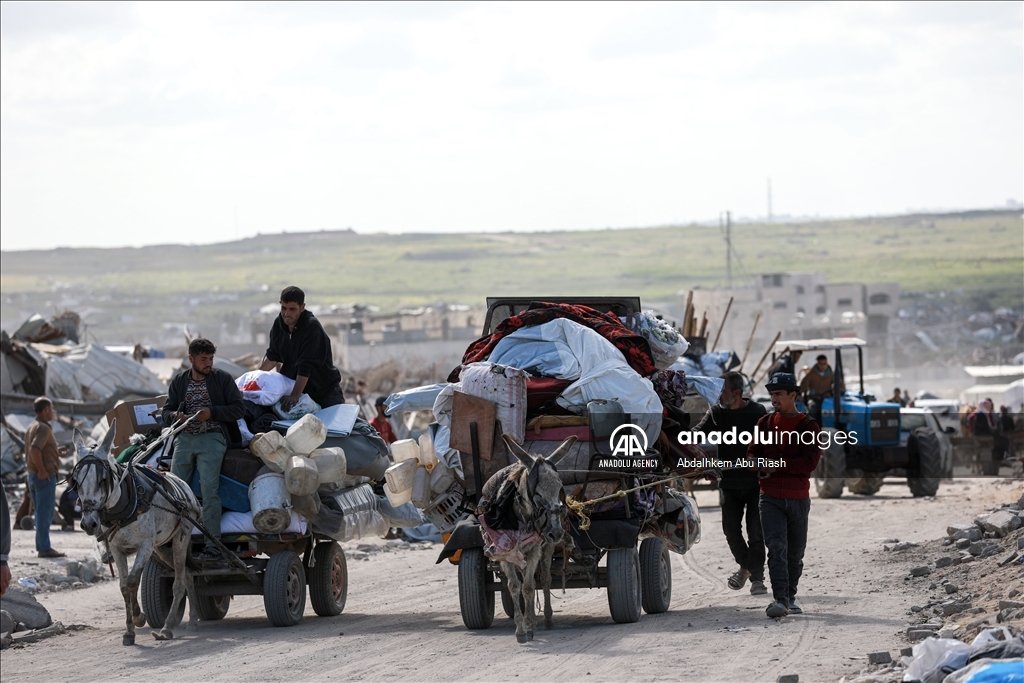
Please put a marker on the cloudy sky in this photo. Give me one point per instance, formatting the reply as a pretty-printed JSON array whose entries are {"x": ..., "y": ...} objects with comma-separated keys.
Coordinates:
[{"x": 132, "y": 124}]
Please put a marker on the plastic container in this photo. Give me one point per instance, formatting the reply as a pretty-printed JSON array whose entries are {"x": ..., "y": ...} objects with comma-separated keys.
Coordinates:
[
  {"x": 301, "y": 477},
  {"x": 307, "y": 506},
  {"x": 270, "y": 503},
  {"x": 306, "y": 435},
  {"x": 400, "y": 476},
  {"x": 330, "y": 463},
  {"x": 421, "y": 488},
  {"x": 400, "y": 498},
  {"x": 405, "y": 449},
  {"x": 272, "y": 449},
  {"x": 441, "y": 478},
  {"x": 428, "y": 458}
]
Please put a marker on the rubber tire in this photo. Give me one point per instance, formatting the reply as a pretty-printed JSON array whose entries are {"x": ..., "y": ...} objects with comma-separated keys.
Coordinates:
[
  {"x": 624, "y": 591},
  {"x": 157, "y": 593},
  {"x": 328, "y": 580},
  {"x": 926, "y": 461},
  {"x": 284, "y": 589},
  {"x": 212, "y": 607},
  {"x": 830, "y": 474},
  {"x": 475, "y": 602},
  {"x": 865, "y": 484},
  {"x": 506, "y": 603},
  {"x": 655, "y": 575}
]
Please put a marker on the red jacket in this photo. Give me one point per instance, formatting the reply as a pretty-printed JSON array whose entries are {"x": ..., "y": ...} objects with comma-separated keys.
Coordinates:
[{"x": 789, "y": 464}]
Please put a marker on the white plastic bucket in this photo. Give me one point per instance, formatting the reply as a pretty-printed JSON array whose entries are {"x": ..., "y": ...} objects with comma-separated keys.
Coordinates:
[
  {"x": 405, "y": 449},
  {"x": 270, "y": 503},
  {"x": 272, "y": 449},
  {"x": 330, "y": 463},
  {"x": 428, "y": 458},
  {"x": 400, "y": 476},
  {"x": 306, "y": 435}
]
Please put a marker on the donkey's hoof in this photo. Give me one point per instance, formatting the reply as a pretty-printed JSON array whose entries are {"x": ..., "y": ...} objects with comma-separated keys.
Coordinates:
[
  {"x": 128, "y": 639},
  {"x": 529, "y": 635},
  {"x": 522, "y": 638},
  {"x": 163, "y": 634},
  {"x": 139, "y": 620}
]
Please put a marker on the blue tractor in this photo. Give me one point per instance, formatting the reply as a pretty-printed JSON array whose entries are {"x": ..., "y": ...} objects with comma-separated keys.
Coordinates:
[{"x": 864, "y": 443}]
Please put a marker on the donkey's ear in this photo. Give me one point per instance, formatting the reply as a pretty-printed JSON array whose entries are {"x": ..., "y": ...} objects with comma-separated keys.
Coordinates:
[
  {"x": 562, "y": 450},
  {"x": 108, "y": 441},
  {"x": 78, "y": 440},
  {"x": 517, "y": 450}
]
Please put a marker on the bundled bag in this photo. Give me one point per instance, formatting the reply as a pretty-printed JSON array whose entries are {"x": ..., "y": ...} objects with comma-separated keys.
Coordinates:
[
  {"x": 666, "y": 342},
  {"x": 264, "y": 388}
]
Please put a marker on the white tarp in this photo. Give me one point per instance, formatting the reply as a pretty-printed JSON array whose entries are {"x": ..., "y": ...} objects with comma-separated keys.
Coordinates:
[{"x": 91, "y": 373}]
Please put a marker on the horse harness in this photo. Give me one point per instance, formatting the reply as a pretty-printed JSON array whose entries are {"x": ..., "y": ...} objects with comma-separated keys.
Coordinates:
[{"x": 137, "y": 491}]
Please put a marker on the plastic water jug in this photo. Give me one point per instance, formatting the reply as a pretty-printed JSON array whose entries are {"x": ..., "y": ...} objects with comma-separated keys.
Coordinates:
[
  {"x": 330, "y": 463},
  {"x": 307, "y": 506},
  {"x": 441, "y": 478},
  {"x": 405, "y": 449},
  {"x": 300, "y": 476},
  {"x": 428, "y": 458},
  {"x": 306, "y": 435},
  {"x": 400, "y": 498},
  {"x": 421, "y": 488},
  {"x": 400, "y": 476},
  {"x": 272, "y": 449}
]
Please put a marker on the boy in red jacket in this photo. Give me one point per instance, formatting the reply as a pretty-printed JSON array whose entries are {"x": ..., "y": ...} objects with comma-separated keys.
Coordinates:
[{"x": 787, "y": 450}]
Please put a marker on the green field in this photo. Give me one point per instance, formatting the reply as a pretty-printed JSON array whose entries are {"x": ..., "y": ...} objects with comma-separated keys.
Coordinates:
[{"x": 977, "y": 252}]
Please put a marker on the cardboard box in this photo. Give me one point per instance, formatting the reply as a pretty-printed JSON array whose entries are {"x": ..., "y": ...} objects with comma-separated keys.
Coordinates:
[{"x": 133, "y": 417}]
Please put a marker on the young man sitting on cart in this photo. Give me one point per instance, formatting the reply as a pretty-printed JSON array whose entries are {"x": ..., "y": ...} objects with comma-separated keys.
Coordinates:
[{"x": 211, "y": 395}]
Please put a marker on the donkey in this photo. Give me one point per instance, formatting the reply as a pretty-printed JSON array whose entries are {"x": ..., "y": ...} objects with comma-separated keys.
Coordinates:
[
  {"x": 539, "y": 507},
  {"x": 120, "y": 506}
]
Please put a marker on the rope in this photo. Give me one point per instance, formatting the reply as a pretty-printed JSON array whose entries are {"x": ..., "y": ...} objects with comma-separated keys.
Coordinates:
[{"x": 578, "y": 506}]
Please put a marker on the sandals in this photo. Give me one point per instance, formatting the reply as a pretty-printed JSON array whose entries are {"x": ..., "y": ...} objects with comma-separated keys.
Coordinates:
[{"x": 737, "y": 580}]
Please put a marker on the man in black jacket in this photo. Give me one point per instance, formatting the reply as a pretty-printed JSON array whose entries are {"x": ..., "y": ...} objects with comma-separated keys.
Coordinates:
[
  {"x": 739, "y": 485},
  {"x": 300, "y": 349},
  {"x": 211, "y": 395}
]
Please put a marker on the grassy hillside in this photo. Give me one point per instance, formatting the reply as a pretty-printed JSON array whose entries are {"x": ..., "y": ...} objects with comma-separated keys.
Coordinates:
[{"x": 976, "y": 252}]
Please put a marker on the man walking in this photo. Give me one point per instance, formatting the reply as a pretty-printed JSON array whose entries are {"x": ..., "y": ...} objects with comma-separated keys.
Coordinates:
[
  {"x": 739, "y": 486},
  {"x": 787, "y": 461},
  {"x": 43, "y": 464},
  {"x": 300, "y": 349},
  {"x": 210, "y": 395}
]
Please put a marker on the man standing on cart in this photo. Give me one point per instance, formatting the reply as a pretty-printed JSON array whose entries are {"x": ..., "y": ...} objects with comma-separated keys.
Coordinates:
[
  {"x": 786, "y": 464},
  {"x": 739, "y": 485},
  {"x": 211, "y": 396},
  {"x": 300, "y": 350}
]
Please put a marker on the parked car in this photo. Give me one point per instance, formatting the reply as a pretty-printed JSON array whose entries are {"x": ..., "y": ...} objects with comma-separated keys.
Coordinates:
[{"x": 912, "y": 418}]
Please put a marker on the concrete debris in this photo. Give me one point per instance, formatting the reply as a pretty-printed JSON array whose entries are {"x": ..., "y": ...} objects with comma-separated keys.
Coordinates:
[
  {"x": 945, "y": 561},
  {"x": 24, "y": 608},
  {"x": 951, "y": 608},
  {"x": 788, "y": 678},
  {"x": 951, "y": 588},
  {"x": 904, "y": 545},
  {"x": 1001, "y": 523},
  {"x": 1011, "y": 604},
  {"x": 921, "y": 571},
  {"x": 963, "y": 544},
  {"x": 6, "y": 622},
  {"x": 879, "y": 657}
]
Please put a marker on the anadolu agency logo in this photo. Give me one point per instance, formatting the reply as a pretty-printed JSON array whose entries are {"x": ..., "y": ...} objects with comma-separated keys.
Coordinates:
[{"x": 628, "y": 444}]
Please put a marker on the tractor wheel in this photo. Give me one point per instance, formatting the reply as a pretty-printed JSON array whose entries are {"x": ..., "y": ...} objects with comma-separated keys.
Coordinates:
[
  {"x": 926, "y": 462},
  {"x": 655, "y": 575},
  {"x": 864, "y": 484},
  {"x": 157, "y": 594},
  {"x": 624, "y": 585},
  {"x": 830, "y": 474},
  {"x": 476, "y": 602}
]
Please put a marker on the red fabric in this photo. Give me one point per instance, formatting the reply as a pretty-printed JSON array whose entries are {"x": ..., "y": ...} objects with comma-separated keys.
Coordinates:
[
  {"x": 634, "y": 347},
  {"x": 383, "y": 428},
  {"x": 540, "y": 390},
  {"x": 793, "y": 479}
]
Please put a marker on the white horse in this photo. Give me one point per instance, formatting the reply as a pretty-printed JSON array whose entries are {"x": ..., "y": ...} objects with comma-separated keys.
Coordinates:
[
  {"x": 137, "y": 512},
  {"x": 539, "y": 507}
]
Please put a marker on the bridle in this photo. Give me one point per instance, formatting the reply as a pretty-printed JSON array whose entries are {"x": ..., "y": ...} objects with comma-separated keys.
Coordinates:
[
  {"x": 541, "y": 518},
  {"x": 107, "y": 476}
]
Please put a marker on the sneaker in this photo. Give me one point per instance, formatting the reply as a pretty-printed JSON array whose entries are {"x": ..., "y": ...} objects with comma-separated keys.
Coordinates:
[
  {"x": 794, "y": 608},
  {"x": 51, "y": 553},
  {"x": 757, "y": 588},
  {"x": 777, "y": 610}
]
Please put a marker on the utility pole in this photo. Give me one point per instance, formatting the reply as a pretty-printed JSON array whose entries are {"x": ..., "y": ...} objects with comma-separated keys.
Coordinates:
[
  {"x": 728, "y": 248},
  {"x": 769, "y": 200}
]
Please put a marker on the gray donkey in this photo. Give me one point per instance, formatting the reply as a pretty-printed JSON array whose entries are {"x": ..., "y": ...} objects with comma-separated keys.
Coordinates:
[
  {"x": 539, "y": 507},
  {"x": 136, "y": 510}
]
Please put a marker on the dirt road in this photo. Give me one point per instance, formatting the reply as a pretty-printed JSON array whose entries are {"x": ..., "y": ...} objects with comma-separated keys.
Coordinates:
[{"x": 402, "y": 618}]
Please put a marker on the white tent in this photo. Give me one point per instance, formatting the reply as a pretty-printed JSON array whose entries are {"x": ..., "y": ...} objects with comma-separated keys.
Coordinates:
[{"x": 1011, "y": 394}]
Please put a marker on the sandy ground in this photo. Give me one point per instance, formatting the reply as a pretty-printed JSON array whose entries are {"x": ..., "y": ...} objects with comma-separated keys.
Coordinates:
[{"x": 402, "y": 618}]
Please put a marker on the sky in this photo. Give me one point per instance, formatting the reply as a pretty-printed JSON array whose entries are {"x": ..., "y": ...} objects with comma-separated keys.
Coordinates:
[{"x": 127, "y": 124}]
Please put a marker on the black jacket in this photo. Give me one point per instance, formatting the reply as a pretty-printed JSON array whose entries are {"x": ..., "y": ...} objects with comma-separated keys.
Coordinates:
[
  {"x": 227, "y": 408},
  {"x": 305, "y": 351},
  {"x": 721, "y": 419}
]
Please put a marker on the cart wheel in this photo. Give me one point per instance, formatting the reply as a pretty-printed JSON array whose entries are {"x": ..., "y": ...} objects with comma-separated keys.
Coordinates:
[
  {"x": 157, "y": 594},
  {"x": 328, "y": 579},
  {"x": 212, "y": 607},
  {"x": 655, "y": 575},
  {"x": 284, "y": 589},
  {"x": 624, "y": 585},
  {"x": 507, "y": 604},
  {"x": 475, "y": 601}
]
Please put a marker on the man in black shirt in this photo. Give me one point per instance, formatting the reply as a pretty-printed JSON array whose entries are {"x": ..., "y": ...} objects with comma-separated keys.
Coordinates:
[
  {"x": 301, "y": 350},
  {"x": 739, "y": 486}
]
